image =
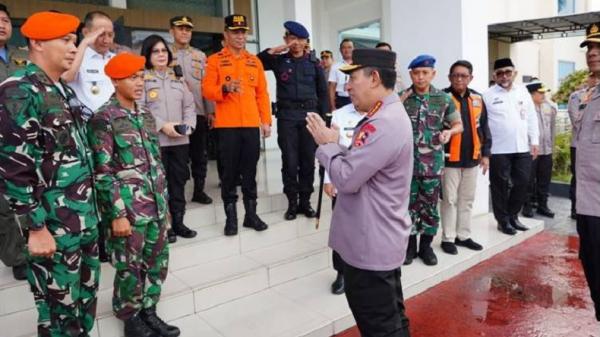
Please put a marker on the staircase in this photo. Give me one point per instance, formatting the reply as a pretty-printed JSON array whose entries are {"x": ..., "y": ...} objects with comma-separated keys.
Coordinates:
[{"x": 265, "y": 284}]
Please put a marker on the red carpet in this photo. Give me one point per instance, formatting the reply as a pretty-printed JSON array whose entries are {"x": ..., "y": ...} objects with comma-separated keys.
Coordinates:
[{"x": 536, "y": 289}]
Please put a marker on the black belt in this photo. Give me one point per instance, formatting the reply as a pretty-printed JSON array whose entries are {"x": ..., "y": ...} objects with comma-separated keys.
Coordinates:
[{"x": 281, "y": 105}]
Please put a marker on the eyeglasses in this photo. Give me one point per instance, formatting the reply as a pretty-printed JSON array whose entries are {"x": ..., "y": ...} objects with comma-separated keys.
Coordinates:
[
  {"x": 503, "y": 73},
  {"x": 460, "y": 76},
  {"x": 160, "y": 51}
]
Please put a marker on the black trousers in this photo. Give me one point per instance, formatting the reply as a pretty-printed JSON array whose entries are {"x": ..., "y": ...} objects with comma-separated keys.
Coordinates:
[
  {"x": 338, "y": 263},
  {"x": 298, "y": 158},
  {"x": 376, "y": 301},
  {"x": 509, "y": 181},
  {"x": 175, "y": 160},
  {"x": 198, "y": 156},
  {"x": 239, "y": 151},
  {"x": 539, "y": 181},
  {"x": 340, "y": 101},
  {"x": 588, "y": 228},
  {"x": 573, "y": 189}
]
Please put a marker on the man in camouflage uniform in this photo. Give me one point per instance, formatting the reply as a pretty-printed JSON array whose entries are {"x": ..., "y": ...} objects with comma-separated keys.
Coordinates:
[
  {"x": 434, "y": 121},
  {"x": 47, "y": 178},
  {"x": 132, "y": 197},
  {"x": 11, "y": 240}
]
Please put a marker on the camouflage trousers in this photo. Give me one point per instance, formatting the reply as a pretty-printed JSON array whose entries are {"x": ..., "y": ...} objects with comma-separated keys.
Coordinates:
[
  {"x": 142, "y": 262},
  {"x": 64, "y": 287},
  {"x": 423, "y": 207},
  {"x": 12, "y": 243}
]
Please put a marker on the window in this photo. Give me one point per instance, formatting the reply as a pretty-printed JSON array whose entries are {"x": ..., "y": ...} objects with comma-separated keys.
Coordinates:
[
  {"x": 364, "y": 36},
  {"x": 566, "y": 7},
  {"x": 565, "y": 68}
]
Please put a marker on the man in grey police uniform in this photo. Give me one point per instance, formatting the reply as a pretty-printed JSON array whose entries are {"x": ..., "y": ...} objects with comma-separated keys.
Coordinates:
[
  {"x": 373, "y": 181},
  {"x": 588, "y": 172},
  {"x": 191, "y": 62}
]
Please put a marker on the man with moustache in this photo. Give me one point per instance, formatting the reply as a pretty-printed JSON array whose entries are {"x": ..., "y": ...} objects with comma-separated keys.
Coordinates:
[
  {"x": 588, "y": 171},
  {"x": 47, "y": 177},
  {"x": 514, "y": 127},
  {"x": 87, "y": 76},
  {"x": 11, "y": 237},
  {"x": 301, "y": 87}
]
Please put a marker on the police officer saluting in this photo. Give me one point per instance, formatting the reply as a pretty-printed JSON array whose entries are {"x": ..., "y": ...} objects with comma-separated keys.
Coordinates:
[
  {"x": 131, "y": 192},
  {"x": 191, "y": 62},
  {"x": 301, "y": 87},
  {"x": 373, "y": 182},
  {"x": 47, "y": 176}
]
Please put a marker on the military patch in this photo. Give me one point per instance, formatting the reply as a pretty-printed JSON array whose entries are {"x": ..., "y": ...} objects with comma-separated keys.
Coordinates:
[
  {"x": 153, "y": 94},
  {"x": 365, "y": 131},
  {"x": 476, "y": 103},
  {"x": 121, "y": 125}
]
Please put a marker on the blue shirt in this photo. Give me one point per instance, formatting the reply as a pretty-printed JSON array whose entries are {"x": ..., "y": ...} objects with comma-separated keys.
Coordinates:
[{"x": 4, "y": 54}]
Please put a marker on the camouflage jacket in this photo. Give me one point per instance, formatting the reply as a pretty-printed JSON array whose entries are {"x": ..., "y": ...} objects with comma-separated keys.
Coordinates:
[
  {"x": 129, "y": 172},
  {"x": 429, "y": 115},
  {"x": 45, "y": 161},
  {"x": 17, "y": 59}
]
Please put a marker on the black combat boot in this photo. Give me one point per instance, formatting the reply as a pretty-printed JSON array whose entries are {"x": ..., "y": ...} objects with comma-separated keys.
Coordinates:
[
  {"x": 171, "y": 236},
  {"x": 158, "y": 325},
  {"x": 199, "y": 195},
  {"x": 231, "y": 223},
  {"x": 306, "y": 209},
  {"x": 426, "y": 252},
  {"x": 251, "y": 219},
  {"x": 544, "y": 210},
  {"x": 136, "y": 327},
  {"x": 20, "y": 272},
  {"x": 527, "y": 210},
  {"x": 337, "y": 287},
  {"x": 292, "y": 210},
  {"x": 411, "y": 250},
  {"x": 180, "y": 229}
]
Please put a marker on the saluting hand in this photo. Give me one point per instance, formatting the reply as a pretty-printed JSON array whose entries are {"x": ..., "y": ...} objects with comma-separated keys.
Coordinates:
[
  {"x": 41, "y": 243},
  {"x": 320, "y": 132},
  {"x": 121, "y": 227},
  {"x": 280, "y": 49},
  {"x": 91, "y": 37}
]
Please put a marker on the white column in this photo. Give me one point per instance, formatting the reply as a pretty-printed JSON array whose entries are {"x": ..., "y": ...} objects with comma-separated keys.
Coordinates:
[{"x": 449, "y": 30}]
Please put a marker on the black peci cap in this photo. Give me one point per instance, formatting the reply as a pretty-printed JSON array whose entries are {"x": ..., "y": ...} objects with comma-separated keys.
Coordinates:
[{"x": 379, "y": 58}]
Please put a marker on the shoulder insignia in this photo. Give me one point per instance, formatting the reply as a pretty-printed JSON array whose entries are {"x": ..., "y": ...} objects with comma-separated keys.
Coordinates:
[{"x": 365, "y": 131}]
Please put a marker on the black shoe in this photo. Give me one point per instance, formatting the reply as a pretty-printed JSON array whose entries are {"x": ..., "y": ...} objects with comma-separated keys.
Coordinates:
[
  {"x": 426, "y": 252},
  {"x": 231, "y": 224},
  {"x": 573, "y": 215},
  {"x": 306, "y": 209},
  {"x": 20, "y": 272},
  {"x": 411, "y": 250},
  {"x": 292, "y": 210},
  {"x": 545, "y": 211},
  {"x": 506, "y": 228},
  {"x": 202, "y": 198},
  {"x": 171, "y": 236},
  {"x": 251, "y": 219},
  {"x": 449, "y": 248},
  {"x": 337, "y": 287},
  {"x": 516, "y": 224},
  {"x": 158, "y": 325},
  {"x": 180, "y": 229},
  {"x": 136, "y": 327},
  {"x": 527, "y": 211},
  {"x": 468, "y": 243}
]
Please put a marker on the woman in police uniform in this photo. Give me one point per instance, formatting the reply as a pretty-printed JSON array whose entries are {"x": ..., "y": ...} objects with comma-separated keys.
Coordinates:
[{"x": 172, "y": 104}]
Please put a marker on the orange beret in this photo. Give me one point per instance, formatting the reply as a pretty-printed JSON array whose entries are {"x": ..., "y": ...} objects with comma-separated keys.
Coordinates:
[
  {"x": 124, "y": 65},
  {"x": 49, "y": 25}
]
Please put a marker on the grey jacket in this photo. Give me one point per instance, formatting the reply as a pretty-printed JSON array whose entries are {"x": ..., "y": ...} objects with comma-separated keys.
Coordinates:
[
  {"x": 371, "y": 224},
  {"x": 169, "y": 100},
  {"x": 193, "y": 64},
  {"x": 588, "y": 157}
]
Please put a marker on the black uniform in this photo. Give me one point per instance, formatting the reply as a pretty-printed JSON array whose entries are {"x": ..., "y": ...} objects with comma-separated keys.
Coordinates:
[{"x": 301, "y": 88}]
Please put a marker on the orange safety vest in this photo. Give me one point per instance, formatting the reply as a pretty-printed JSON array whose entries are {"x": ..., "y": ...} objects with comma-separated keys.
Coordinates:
[
  {"x": 475, "y": 102},
  {"x": 248, "y": 108}
]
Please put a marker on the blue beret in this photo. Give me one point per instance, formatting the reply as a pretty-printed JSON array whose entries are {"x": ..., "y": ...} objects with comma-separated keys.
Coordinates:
[
  {"x": 422, "y": 61},
  {"x": 296, "y": 29}
]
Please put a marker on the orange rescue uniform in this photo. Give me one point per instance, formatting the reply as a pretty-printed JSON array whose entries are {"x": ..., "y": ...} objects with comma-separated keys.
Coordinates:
[{"x": 248, "y": 108}]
